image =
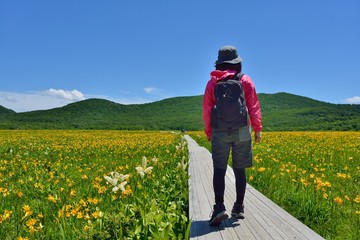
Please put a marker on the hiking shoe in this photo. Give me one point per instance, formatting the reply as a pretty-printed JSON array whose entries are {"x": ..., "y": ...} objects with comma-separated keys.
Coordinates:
[
  {"x": 238, "y": 211},
  {"x": 218, "y": 215}
]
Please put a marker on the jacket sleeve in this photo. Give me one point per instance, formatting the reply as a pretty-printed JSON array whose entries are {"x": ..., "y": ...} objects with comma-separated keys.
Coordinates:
[
  {"x": 208, "y": 105},
  {"x": 252, "y": 103}
]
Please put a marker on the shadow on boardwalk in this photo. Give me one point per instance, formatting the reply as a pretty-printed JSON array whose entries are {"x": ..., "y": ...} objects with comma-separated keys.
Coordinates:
[
  {"x": 201, "y": 227},
  {"x": 264, "y": 219}
]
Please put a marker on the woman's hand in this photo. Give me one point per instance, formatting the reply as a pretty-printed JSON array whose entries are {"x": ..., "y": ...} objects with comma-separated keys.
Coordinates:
[{"x": 257, "y": 137}]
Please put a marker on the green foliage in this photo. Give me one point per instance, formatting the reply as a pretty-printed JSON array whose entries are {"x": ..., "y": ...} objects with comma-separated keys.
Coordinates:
[
  {"x": 287, "y": 112},
  {"x": 175, "y": 114},
  {"x": 4, "y": 110},
  {"x": 281, "y": 112}
]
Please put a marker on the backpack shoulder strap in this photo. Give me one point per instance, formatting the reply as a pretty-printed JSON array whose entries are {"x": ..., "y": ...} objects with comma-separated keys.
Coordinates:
[{"x": 239, "y": 76}]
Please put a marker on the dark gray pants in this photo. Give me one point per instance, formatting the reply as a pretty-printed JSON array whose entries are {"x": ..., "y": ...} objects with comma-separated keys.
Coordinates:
[{"x": 239, "y": 141}]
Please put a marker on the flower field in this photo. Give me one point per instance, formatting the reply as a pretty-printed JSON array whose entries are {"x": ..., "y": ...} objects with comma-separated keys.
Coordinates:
[
  {"x": 315, "y": 176},
  {"x": 93, "y": 185}
]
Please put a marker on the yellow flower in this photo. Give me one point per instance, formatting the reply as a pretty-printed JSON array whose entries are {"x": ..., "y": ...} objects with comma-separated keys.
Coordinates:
[
  {"x": 23, "y": 238},
  {"x": 327, "y": 184},
  {"x": 98, "y": 179},
  {"x": 338, "y": 200},
  {"x": 5, "y": 216},
  {"x": 325, "y": 195},
  {"x": 82, "y": 202},
  {"x": 304, "y": 182},
  {"x": 31, "y": 222},
  {"x": 51, "y": 198},
  {"x": 97, "y": 214},
  {"x": 261, "y": 169},
  {"x": 32, "y": 229},
  {"x": 5, "y": 192},
  {"x": 95, "y": 201},
  {"x": 27, "y": 210},
  {"x": 127, "y": 192},
  {"x": 79, "y": 215},
  {"x": 74, "y": 211},
  {"x": 61, "y": 212},
  {"x": 84, "y": 177},
  {"x": 101, "y": 190},
  {"x": 87, "y": 217},
  {"x": 72, "y": 192},
  {"x": 357, "y": 199},
  {"x": 341, "y": 175}
]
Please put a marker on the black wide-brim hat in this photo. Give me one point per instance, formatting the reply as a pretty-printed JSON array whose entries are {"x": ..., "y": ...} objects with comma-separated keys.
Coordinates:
[{"x": 228, "y": 54}]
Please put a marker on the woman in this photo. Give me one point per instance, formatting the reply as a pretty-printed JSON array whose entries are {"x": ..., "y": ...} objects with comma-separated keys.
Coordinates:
[{"x": 228, "y": 66}]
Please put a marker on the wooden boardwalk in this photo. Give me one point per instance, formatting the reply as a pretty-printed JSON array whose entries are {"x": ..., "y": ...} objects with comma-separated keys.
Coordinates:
[{"x": 263, "y": 218}]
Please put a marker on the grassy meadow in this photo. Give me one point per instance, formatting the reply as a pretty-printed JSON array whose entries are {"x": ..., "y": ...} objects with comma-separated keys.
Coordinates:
[
  {"x": 60, "y": 184},
  {"x": 315, "y": 176},
  {"x": 93, "y": 185}
]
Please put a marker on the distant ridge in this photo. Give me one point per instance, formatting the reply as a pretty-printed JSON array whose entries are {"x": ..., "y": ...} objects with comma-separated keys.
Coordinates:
[
  {"x": 281, "y": 112},
  {"x": 4, "y": 110},
  {"x": 284, "y": 111}
]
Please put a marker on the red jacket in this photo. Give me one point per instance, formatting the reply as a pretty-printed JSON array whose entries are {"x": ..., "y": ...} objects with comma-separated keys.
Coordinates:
[{"x": 251, "y": 99}]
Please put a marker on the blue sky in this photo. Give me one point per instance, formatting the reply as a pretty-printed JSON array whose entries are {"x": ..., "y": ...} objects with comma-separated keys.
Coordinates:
[{"x": 56, "y": 52}]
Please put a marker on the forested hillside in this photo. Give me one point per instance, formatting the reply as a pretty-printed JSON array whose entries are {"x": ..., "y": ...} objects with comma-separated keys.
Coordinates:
[{"x": 281, "y": 112}]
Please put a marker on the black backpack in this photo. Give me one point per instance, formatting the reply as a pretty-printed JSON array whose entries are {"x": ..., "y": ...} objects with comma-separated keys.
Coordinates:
[{"x": 230, "y": 111}]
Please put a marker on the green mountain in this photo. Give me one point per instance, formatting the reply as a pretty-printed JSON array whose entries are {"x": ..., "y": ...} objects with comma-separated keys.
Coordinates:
[
  {"x": 281, "y": 112},
  {"x": 4, "y": 110}
]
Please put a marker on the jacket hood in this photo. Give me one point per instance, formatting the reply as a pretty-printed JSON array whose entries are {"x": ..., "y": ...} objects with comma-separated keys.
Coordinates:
[{"x": 218, "y": 75}]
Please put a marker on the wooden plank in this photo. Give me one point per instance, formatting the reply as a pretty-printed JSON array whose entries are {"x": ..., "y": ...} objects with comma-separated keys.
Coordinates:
[
  {"x": 275, "y": 217},
  {"x": 283, "y": 219},
  {"x": 257, "y": 220},
  {"x": 200, "y": 228},
  {"x": 264, "y": 217}
]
